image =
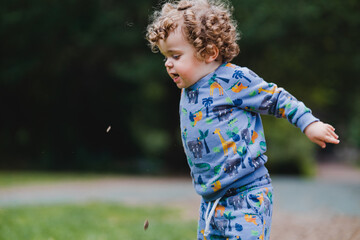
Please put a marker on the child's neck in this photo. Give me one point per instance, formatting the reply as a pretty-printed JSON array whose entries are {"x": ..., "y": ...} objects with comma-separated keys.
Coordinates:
[{"x": 210, "y": 67}]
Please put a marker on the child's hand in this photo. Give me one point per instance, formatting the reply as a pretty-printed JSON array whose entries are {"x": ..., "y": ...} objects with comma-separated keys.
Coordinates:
[{"x": 321, "y": 133}]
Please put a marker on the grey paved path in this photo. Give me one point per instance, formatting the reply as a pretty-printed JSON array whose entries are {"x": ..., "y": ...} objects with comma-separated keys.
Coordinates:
[
  {"x": 337, "y": 194},
  {"x": 129, "y": 190},
  {"x": 291, "y": 194}
]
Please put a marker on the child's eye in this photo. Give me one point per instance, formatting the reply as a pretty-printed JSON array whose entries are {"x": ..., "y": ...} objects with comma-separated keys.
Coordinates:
[
  {"x": 165, "y": 59},
  {"x": 176, "y": 57}
]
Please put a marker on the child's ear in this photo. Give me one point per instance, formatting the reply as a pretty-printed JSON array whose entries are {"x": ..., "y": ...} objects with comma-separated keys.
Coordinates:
[{"x": 212, "y": 54}]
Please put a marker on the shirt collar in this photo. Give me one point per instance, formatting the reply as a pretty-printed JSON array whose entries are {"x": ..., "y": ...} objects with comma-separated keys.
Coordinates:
[{"x": 205, "y": 80}]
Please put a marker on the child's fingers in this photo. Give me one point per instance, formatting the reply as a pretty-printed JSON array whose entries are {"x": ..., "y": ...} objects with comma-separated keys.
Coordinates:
[
  {"x": 325, "y": 133},
  {"x": 319, "y": 142},
  {"x": 331, "y": 127},
  {"x": 333, "y": 134},
  {"x": 331, "y": 139},
  {"x": 326, "y": 139},
  {"x": 330, "y": 131}
]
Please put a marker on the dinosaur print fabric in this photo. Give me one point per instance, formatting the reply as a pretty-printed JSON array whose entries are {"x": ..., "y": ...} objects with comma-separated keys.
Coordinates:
[
  {"x": 243, "y": 213},
  {"x": 221, "y": 128}
]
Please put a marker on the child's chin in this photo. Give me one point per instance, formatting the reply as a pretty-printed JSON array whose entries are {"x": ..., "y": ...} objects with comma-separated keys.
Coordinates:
[{"x": 180, "y": 86}]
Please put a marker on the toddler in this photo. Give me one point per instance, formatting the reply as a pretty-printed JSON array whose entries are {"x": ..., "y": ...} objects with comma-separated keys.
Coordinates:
[{"x": 220, "y": 109}]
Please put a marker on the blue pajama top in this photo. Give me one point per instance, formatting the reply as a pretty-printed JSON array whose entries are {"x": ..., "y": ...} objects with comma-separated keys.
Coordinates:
[{"x": 221, "y": 127}]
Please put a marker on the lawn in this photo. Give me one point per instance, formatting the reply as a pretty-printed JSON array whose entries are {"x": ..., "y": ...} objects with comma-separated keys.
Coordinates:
[
  {"x": 93, "y": 221},
  {"x": 8, "y": 178}
]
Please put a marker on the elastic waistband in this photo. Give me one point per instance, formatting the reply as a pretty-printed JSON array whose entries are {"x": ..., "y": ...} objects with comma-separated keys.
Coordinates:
[
  {"x": 264, "y": 180},
  {"x": 244, "y": 181}
]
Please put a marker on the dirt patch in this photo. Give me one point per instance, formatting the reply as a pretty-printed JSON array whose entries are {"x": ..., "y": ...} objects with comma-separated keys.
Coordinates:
[{"x": 316, "y": 226}]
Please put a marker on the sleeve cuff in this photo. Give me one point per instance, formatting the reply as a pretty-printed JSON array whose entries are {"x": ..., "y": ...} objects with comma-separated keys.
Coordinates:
[{"x": 305, "y": 120}]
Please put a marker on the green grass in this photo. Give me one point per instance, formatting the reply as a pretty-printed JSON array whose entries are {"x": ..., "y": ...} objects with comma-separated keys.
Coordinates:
[
  {"x": 94, "y": 221},
  {"x": 8, "y": 178}
]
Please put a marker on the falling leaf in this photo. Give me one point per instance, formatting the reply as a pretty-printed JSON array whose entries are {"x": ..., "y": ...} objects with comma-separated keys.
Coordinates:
[{"x": 146, "y": 224}]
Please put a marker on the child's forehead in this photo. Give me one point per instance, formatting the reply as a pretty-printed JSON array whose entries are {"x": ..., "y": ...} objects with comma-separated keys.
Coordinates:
[
  {"x": 174, "y": 42},
  {"x": 168, "y": 49}
]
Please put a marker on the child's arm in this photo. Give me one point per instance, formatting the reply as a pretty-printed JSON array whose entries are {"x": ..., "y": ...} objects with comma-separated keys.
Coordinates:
[
  {"x": 252, "y": 93},
  {"x": 321, "y": 133}
]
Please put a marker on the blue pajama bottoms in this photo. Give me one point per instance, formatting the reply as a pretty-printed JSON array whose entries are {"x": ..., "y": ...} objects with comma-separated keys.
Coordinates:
[{"x": 243, "y": 213}]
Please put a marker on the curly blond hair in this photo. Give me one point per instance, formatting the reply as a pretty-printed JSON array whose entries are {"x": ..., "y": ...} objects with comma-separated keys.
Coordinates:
[{"x": 204, "y": 23}]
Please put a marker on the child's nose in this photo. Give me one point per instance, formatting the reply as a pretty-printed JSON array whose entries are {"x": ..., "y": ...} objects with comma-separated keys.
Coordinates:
[{"x": 168, "y": 63}]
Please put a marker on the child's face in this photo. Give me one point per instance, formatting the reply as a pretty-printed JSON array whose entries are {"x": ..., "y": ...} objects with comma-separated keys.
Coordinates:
[{"x": 181, "y": 63}]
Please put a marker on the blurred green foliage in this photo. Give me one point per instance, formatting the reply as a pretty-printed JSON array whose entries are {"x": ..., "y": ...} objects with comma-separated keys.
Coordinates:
[
  {"x": 71, "y": 68},
  {"x": 289, "y": 150}
]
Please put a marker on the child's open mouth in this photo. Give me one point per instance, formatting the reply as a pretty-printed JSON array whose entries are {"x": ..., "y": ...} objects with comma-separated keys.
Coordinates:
[{"x": 175, "y": 77}]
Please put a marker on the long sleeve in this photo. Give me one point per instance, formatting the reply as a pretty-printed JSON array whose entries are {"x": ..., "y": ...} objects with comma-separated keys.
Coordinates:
[{"x": 252, "y": 93}]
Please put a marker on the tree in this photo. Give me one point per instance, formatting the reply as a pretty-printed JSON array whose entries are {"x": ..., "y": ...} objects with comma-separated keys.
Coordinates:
[
  {"x": 229, "y": 217},
  {"x": 207, "y": 103},
  {"x": 202, "y": 137}
]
